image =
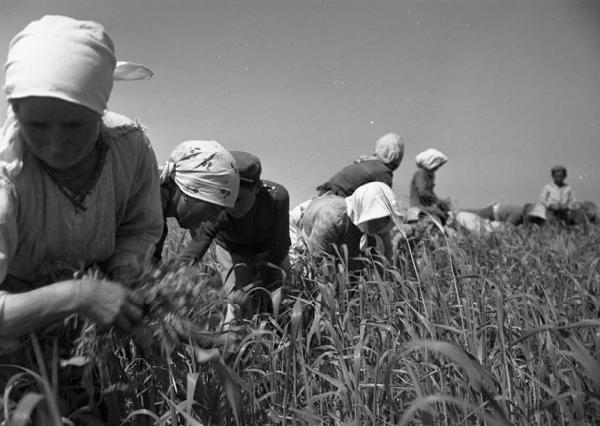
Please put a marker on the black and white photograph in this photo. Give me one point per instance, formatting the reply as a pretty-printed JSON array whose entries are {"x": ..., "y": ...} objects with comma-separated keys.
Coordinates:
[{"x": 299, "y": 212}]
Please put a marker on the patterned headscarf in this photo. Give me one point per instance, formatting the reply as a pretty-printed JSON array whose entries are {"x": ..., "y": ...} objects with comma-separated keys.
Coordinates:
[
  {"x": 430, "y": 159},
  {"x": 64, "y": 58},
  {"x": 204, "y": 170}
]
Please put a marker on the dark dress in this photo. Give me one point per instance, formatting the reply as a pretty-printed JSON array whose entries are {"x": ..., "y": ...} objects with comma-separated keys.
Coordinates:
[
  {"x": 423, "y": 196},
  {"x": 345, "y": 182},
  {"x": 264, "y": 229}
]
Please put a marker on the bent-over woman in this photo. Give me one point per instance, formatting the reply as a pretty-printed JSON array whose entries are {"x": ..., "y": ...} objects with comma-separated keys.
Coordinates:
[
  {"x": 252, "y": 239},
  {"x": 379, "y": 167},
  {"x": 359, "y": 221},
  {"x": 78, "y": 184},
  {"x": 198, "y": 182}
]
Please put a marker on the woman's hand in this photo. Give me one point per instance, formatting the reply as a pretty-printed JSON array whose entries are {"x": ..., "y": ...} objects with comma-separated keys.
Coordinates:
[
  {"x": 109, "y": 303},
  {"x": 126, "y": 275}
]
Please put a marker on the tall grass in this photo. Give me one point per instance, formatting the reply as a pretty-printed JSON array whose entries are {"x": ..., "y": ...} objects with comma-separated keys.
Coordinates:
[{"x": 498, "y": 329}]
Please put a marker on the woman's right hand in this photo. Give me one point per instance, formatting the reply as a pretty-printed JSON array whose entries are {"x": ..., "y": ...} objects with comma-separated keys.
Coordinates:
[{"x": 109, "y": 303}]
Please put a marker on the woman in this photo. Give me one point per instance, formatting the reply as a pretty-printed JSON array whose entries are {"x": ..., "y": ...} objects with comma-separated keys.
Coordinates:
[
  {"x": 423, "y": 182},
  {"x": 379, "y": 167},
  {"x": 359, "y": 221},
  {"x": 252, "y": 234},
  {"x": 78, "y": 185},
  {"x": 199, "y": 180}
]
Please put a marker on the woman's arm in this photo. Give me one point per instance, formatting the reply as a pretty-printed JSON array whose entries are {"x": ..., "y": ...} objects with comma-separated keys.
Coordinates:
[
  {"x": 202, "y": 238},
  {"x": 388, "y": 251},
  {"x": 280, "y": 240},
  {"x": 423, "y": 188},
  {"x": 103, "y": 302}
]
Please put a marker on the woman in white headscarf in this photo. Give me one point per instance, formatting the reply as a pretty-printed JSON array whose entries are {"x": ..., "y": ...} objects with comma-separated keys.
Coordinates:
[
  {"x": 359, "y": 221},
  {"x": 79, "y": 185},
  {"x": 422, "y": 194},
  {"x": 198, "y": 182}
]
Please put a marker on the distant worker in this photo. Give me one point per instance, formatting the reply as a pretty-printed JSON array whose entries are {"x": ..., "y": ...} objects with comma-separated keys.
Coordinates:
[
  {"x": 423, "y": 182},
  {"x": 558, "y": 197},
  {"x": 359, "y": 221},
  {"x": 512, "y": 214},
  {"x": 379, "y": 167}
]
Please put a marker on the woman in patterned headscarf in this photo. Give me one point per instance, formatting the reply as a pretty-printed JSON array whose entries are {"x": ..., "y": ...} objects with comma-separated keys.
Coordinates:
[
  {"x": 198, "y": 181},
  {"x": 78, "y": 184}
]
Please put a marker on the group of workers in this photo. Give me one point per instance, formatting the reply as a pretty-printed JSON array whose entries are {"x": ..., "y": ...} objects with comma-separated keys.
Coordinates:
[
  {"x": 80, "y": 188},
  {"x": 556, "y": 204}
]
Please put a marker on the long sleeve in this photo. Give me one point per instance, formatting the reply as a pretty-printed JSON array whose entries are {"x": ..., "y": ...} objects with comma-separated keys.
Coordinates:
[
  {"x": 142, "y": 224},
  {"x": 569, "y": 197},
  {"x": 157, "y": 257},
  {"x": 421, "y": 191},
  {"x": 202, "y": 238},
  {"x": 386, "y": 239},
  {"x": 8, "y": 226},
  {"x": 280, "y": 240},
  {"x": 545, "y": 195}
]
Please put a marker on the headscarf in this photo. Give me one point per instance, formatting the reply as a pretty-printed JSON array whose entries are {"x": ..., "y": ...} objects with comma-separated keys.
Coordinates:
[
  {"x": 370, "y": 201},
  {"x": 64, "y": 58},
  {"x": 430, "y": 159},
  {"x": 204, "y": 170},
  {"x": 389, "y": 148}
]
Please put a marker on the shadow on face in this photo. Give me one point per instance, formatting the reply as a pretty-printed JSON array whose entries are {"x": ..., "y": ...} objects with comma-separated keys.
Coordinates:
[
  {"x": 58, "y": 132},
  {"x": 380, "y": 225},
  {"x": 192, "y": 212}
]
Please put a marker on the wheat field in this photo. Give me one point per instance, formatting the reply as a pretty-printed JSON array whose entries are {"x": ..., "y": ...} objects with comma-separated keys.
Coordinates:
[{"x": 499, "y": 329}]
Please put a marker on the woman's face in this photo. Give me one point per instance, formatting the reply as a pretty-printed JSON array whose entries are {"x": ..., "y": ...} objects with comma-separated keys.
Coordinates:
[
  {"x": 58, "y": 132},
  {"x": 377, "y": 226},
  {"x": 191, "y": 212}
]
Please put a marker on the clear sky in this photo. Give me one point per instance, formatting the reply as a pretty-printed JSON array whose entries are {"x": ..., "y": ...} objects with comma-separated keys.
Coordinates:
[{"x": 505, "y": 88}]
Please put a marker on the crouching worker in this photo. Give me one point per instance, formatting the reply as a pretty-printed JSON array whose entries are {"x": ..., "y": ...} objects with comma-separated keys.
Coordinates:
[
  {"x": 359, "y": 221},
  {"x": 558, "y": 197},
  {"x": 78, "y": 184},
  {"x": 198, "y": 182},
  {"x": 252, "y": 238},
  {"x": 509, "y": 213},
  {"x": 422, "y": 186}
]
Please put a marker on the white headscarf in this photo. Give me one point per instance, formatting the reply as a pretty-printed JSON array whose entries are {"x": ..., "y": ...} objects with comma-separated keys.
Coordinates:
[
  {"x": 389, "y": 148},
  {"x": 64, "y": 58},
  {"x": 430, "y": 159},
  {"x": 204, "y": 170},
  {"x": 370, "y": 201}
]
